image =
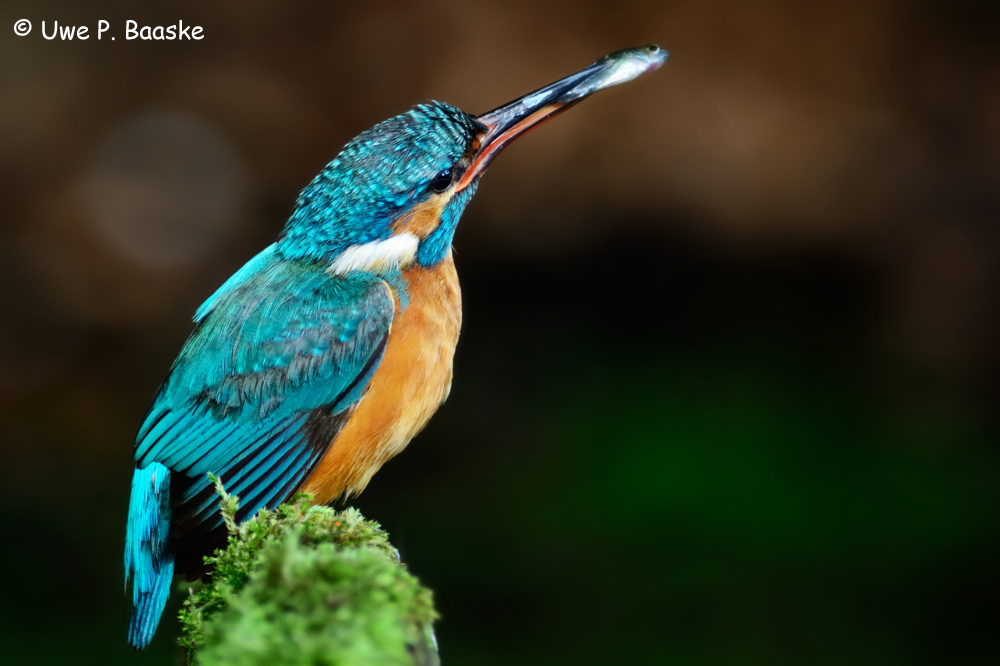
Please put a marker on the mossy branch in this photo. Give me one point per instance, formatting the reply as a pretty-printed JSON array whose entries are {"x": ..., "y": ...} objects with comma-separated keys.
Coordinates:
[{"x": 305, "y": 584}]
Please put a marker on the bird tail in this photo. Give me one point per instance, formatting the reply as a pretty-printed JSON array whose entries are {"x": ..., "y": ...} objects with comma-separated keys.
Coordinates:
[{"x": 148, "y": 560}]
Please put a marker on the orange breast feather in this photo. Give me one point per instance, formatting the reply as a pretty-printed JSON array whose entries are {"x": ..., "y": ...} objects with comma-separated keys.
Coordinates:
[{"x": 409, "y": 385}]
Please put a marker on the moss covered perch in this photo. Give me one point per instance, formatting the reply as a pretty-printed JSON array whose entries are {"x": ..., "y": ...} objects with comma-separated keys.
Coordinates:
[{"x": 305, "y": 584}]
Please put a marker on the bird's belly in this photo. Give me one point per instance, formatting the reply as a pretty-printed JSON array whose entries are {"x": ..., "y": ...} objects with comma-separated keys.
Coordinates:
[{"x": 411, "y": 382}]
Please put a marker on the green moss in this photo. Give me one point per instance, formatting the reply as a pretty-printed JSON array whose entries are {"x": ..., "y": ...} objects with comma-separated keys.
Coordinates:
[{"x": 305, "y": 584}]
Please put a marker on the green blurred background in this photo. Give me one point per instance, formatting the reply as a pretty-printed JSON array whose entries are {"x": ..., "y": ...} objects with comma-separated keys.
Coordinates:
[{"x": 726, "y": 391}]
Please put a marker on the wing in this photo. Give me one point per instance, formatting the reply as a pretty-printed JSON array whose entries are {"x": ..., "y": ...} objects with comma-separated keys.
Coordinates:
[{"x": 280, "y": 357}]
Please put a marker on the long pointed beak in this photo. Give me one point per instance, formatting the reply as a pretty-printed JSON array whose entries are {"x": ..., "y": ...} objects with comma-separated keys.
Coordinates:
[{"x": 506, "y": 123}]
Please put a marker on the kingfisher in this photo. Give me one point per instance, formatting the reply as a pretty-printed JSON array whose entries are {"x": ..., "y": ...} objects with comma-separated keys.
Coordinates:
[{"x": 320, "y": 359}]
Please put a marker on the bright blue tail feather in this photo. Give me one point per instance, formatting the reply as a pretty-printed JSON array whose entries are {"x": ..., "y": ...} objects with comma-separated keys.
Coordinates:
[{"x": 148, "y": 561}]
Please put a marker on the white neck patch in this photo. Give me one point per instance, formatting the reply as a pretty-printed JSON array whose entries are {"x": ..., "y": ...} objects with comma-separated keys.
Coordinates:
[{"x": 377, "y": 256}]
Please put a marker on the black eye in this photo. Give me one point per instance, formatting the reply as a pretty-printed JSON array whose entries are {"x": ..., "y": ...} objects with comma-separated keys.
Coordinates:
[{"x": 442, "y": 181}]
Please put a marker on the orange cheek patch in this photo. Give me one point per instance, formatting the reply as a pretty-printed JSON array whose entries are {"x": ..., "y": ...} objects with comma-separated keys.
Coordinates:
[{"x": 423, "y": 218}]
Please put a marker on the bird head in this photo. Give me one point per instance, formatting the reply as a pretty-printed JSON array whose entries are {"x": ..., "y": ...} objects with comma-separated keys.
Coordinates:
[{"x": 395, "y": 193}]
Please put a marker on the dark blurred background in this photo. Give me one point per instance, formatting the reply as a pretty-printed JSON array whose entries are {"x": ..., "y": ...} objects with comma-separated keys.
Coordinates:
[{"x": 727, "y": 386}]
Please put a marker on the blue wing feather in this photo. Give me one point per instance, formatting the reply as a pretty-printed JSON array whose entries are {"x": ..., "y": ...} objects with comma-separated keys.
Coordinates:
[
  {"x": 281, "y": 349},
  {"x": 259, "y": 478}
]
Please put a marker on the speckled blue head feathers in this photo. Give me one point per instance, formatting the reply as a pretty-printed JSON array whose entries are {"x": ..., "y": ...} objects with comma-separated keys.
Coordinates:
[{"x": 377, "y": 177}]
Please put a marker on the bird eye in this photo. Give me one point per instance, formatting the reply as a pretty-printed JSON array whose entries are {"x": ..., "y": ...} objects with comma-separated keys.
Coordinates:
[{"x": 442, "y": 181}]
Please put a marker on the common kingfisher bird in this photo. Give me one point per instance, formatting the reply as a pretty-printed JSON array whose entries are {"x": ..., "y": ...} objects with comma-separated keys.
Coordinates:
[{"x": 327, "y": 352}]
